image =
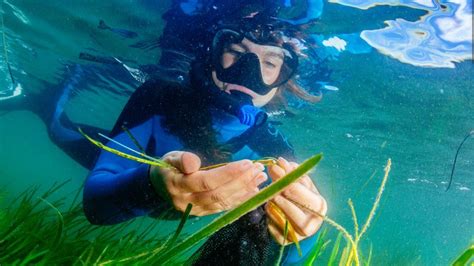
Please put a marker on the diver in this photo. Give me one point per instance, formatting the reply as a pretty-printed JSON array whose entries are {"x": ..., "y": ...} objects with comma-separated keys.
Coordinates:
[{"x": 217, "y": 117}]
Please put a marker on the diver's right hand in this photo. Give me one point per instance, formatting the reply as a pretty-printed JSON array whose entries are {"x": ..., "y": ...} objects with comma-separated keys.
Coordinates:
[{"x": 209, "y": 191}]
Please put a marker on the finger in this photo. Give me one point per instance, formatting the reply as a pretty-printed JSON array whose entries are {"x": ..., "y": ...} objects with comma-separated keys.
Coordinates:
[
  {"x": 228, "y": 205},
  {"x": 305, "y": 179},
  {"x": 302, "y": 196},
  {"x": 308, "y": 183},
  {"x": 276, "y": 172},
  {"x": 216, "y": 208},
  {"x": 203, "y": 211},
  {"x": 278, "y": 234},
  {"x": 283, "y": 163},
  {"x": 190, "y": 163},
  {"x": 293, "y": 164},
  {"x": 303, "y": 223},
  {"x": 185, "y": 162},
  {"x": 214, "y": 178},
  {"x": 233, "y": 190}
]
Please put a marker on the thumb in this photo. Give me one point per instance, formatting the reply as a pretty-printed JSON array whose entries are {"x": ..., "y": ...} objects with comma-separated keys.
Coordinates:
[{"x": 185, "y": 162}]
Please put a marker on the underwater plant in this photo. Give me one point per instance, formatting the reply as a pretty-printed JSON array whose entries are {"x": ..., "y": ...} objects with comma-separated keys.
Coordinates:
[
  {"x": 465, "y": 257},
  {"x": 34, "y": 230},
  {"x": 350, "y": 254}
]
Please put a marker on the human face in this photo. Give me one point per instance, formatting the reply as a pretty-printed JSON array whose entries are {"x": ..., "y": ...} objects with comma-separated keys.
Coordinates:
[{"x": 271, "y": 59}]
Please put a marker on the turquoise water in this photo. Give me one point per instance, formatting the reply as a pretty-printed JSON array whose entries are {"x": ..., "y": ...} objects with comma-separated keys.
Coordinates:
[{"x": 384, "y": 108}]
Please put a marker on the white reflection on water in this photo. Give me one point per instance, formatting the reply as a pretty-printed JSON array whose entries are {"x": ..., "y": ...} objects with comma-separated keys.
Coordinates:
[{"x": 438, "y": 39}]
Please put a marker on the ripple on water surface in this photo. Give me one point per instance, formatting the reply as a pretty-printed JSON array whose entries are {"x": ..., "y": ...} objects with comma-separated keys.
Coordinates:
[{"x": 438, "y": 39}]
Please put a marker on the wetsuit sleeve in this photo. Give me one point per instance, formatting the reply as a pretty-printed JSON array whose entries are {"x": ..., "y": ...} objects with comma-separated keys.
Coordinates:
[{"x": 119, "y": 189}]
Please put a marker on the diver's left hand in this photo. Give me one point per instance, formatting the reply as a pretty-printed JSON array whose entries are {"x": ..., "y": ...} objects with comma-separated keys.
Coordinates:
[{"x": 301, "y": 193}]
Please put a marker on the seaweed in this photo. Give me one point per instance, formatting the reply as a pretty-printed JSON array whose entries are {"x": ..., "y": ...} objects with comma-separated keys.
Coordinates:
[
  {"x": 282, "y": 220},
  {"x": 465, "y": 257},
  {"x": 317, "y": 249},
  {"x": 33, "y": 230},
  {"x": 267, "y": 161},
  {"x": 282, "y": 248},
  {"x": 146, "y": 159},
  {"x": 351, "y": 253}
]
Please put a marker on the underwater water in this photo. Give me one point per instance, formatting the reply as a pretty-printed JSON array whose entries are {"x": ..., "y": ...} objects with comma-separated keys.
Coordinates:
[{"x": 401, "y": 90}]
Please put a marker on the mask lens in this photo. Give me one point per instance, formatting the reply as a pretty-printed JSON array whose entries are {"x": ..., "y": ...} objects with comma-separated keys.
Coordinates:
[
  {"x": 277, "y": 64},
  {"x": 281, "y": 60}
]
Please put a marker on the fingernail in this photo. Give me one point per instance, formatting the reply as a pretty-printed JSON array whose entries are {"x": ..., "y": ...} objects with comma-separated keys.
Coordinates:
[
  {"x": 246, "y": 164},
  {"x": 262, "y": 178},
  {"x": 258, "y": 168},
  {"x": 281, "y": 160}
]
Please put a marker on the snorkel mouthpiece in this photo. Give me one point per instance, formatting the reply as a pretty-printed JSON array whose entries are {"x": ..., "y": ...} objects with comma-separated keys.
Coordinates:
[
  {"x": 252, "y": 116},
  {"x": 239, "y": 105}
]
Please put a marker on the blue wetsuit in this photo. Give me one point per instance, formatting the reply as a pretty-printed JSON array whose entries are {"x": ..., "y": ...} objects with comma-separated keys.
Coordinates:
[{"x": 118, "y": 189}]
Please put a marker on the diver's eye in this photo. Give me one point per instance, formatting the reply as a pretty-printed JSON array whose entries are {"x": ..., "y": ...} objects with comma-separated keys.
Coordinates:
[
  {"x": 235, "y": 52},
  {"x": 269, "y": 64}
]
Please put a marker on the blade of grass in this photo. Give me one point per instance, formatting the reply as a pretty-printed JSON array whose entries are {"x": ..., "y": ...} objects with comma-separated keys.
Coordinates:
[
  {"x": 28, "y": 260},
  {"x": 316, "y": 250},
  {"x": 180, "y": 226},
  {"x": 135, "y": 141},
  {"x": 464, "y": 258},
  {"x": 99, "y": 144},
  {"x": 59, "y": 231},
  {"x": 282, "y": 248},
  {"x": 369, "y": 258},
  {"x": 335, "y": 250},
  {"x": 280, "y": 219}
]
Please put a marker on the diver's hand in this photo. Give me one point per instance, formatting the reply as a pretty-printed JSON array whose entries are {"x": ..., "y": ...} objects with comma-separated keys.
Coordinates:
[
  {"x": 301, "y": 193},
  {"x": 210, "y": 191}
]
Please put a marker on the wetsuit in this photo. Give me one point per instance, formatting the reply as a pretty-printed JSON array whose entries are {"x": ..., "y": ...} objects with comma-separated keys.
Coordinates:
[{"x": 118, "y": 189}]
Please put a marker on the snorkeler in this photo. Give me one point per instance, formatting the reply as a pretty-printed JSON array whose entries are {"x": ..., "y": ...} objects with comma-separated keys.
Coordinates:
[{"x": 217, "y": 118}]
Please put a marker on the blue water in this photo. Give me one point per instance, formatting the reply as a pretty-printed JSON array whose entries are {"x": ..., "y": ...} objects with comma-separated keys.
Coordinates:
[{"x": 399, "y": 95}]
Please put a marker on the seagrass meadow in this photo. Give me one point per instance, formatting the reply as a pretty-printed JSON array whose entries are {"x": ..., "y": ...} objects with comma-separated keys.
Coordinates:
[{"x": 396, "y": 80}]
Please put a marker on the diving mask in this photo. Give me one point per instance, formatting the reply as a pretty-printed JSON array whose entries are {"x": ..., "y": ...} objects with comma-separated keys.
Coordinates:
[{"x": 255, "y": 60}]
